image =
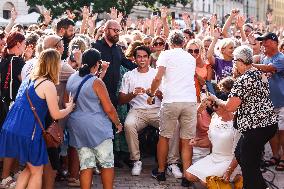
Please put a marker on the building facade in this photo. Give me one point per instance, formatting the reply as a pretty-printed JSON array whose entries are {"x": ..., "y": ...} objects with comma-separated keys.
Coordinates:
[{"x": 20, "y": 5}]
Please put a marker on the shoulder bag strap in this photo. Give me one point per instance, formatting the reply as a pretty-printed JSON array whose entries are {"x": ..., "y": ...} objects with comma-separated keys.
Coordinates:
[
  {"x": 80, "y": 86},
  {"x": 34, "y": 111}
]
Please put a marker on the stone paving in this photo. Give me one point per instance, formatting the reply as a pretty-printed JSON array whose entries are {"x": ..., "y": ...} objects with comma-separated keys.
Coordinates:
[{"x": 124, "y": 180}]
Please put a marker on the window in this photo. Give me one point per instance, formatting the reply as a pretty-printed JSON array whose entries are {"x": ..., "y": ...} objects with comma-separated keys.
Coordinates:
[{"x": 6, "y": 14}]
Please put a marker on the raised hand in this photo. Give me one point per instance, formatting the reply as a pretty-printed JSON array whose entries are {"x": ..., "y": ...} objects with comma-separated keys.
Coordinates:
[
  {"x": 47, "y": 17},
  {"x": 234, "y": 12},
  {"x": 113, "y": 13},
  {"x": 70, "y": 14},
  {"x": 186, "y": 17},
  {"x": 240, "y": 21},
  {"x": 14, "y": 14},
  {"x": 217, "y": 33},
  {"x": 105, "y": 66},
  {"x": 119, "y": 17},
  {"x": 213, "y": 20},
  {"x": 269, "y": 17},
  {"x": 85, "y": 12},
  {"x": 164, "y": 12}
]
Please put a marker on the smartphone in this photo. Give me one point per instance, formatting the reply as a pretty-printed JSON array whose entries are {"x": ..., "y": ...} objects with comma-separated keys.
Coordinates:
[
  {"x": 210, "y": 88},
  {"x": 75, "y": 47},
  {"x": 173, "y": 15}
]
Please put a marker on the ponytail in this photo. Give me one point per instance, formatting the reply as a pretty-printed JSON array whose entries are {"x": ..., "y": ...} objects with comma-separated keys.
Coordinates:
[{"x": 84, "y": 70}]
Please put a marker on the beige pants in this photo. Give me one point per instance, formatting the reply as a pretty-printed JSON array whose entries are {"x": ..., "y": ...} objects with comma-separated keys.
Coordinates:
[
  {"x": 136, "y": 120},
  {"x": 183, "y": 112}
]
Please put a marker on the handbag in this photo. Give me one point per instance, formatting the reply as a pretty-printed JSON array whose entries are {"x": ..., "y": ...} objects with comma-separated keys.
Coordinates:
[
  {"x": 215, "y": 182},
  {"x": 53, "y": 135}
]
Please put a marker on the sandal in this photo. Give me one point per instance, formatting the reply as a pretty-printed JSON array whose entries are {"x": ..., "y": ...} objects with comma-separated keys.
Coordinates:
[
  {"x": 280, "y": 166},
  {"x": 72, "y": 182},
  {"x": 271, "y": 162}
]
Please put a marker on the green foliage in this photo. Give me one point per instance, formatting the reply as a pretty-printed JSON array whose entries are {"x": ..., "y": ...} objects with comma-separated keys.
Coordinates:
[{"x": 58, "y": 7}]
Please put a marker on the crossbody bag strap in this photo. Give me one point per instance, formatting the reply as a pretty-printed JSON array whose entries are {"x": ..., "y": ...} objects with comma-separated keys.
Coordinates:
[
  {"x": 34, "y": 111},
  {"x": 80, "y": 86}
]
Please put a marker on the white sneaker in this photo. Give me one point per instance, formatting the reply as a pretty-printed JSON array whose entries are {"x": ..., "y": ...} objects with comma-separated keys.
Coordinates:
[
  {"x": 174, "y": 170},
  {"x": 137, "y": 168},
  {"x": 8, "y": 183}
]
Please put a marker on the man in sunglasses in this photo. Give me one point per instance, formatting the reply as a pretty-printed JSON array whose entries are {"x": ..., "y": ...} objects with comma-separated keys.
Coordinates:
[
  {"x": 112, "y": 53},
  {"x": 273, "y": 63}
]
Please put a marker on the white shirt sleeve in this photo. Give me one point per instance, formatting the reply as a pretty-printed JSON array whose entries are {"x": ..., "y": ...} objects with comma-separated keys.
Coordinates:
[
  {"x": 162, "y": 60},
  {"x": 124, "y": 88}
]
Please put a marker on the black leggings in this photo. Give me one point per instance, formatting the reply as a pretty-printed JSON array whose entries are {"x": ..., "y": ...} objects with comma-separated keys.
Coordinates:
[{"x": 249, "y": 153}]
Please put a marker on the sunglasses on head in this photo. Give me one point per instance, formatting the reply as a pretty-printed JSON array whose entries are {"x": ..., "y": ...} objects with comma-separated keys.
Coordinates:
[
  {"x": 235, "y": 60},
  {"x": 158, "y": 43},
  {"x": 195, "y": 51}
]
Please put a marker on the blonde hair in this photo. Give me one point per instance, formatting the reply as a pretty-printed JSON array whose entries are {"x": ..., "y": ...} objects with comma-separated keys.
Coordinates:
[
  {"x": 47, "y": 66},
  {"x": 77, "y": 41},
  {"x": 196, "y": 42},
  {"x": 223, "y": 44}
]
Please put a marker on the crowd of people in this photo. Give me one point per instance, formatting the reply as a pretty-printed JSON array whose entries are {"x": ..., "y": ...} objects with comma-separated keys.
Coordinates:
[{"x": 215, "y": 93}]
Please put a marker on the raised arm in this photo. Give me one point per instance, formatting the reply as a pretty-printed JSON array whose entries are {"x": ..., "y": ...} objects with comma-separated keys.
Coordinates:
[
  {"x": 239, "y": 24},
  {"x": 210, "y": 53},
  {"x": 164, "y": 13},
  {"x": 234, "y": 14}
]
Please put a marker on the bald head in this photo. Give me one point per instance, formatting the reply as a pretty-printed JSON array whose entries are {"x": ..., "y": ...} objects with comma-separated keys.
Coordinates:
[
  {"x": 112, "y": 24},
  {"x": 51, "y": 41}
]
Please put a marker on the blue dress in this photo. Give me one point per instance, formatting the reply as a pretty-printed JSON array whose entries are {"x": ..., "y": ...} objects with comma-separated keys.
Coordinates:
[{"x": 21, "y": 135}]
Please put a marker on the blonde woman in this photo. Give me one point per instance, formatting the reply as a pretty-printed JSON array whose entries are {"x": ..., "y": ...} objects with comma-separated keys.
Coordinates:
[
  {"x": 21, "y": 136},
  {"x": 222, "y": 63}
]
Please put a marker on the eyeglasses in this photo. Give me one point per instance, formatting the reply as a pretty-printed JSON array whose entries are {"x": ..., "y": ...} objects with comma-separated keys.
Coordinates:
[
  {"x": 195, "y": 51},
  {"x": 57, "y": 44},
  {"x": 159, "y": 43},
  {"x": 115, "y": 30}
]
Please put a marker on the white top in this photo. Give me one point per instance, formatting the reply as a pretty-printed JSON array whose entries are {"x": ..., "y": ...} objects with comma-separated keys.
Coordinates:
[
  {"x": 133, "y": 79},
  {"x": 224, "y": 139},
  {"x": 28, "y": 67},
  {"x": 178, "y": 81}
]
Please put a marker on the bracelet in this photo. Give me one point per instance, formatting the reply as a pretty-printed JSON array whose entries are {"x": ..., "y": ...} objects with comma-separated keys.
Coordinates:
[{"x": 150, "y": 95}]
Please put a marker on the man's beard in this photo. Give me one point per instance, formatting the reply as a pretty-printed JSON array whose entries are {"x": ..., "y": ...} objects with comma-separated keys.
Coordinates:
[{"x": 113, "y": 39}]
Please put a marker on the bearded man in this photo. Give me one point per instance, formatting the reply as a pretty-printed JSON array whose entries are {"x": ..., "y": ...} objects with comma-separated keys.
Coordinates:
[{"x": 111, "y": 52}]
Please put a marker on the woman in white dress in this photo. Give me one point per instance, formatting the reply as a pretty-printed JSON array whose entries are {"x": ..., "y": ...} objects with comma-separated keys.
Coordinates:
[{"x": 223, "y": 139}]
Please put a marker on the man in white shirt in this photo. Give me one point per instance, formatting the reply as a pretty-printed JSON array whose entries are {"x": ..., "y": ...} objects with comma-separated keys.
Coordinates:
[
  {"x": 133, "y": 90},
  {"x": 176, "y": 69}
]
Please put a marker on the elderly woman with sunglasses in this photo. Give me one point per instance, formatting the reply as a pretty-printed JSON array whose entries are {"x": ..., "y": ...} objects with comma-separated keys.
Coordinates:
[
  {"x": 254, "y": 117},
  {"x": 195, "y": 48},
  {"x": 158, "y": 45}
]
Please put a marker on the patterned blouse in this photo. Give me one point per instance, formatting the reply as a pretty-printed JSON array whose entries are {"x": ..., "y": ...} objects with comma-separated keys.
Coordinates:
[{"x": 256, "y": 109}]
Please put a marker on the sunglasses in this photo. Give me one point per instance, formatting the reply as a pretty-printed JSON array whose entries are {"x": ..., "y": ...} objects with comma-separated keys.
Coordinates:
[
  {"x": 235, "y": 60},
  {"x": 195, "y": 51},
  {"x": 115, "y": 30},
  {"x": 158, "y": 43}
]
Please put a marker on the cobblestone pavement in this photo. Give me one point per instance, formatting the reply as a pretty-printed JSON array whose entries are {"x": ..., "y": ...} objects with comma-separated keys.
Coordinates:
[{"x": 124, "y": 180}]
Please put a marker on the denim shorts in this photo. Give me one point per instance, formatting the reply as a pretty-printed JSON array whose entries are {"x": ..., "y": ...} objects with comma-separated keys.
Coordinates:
[{"x": 101, "y": 155}]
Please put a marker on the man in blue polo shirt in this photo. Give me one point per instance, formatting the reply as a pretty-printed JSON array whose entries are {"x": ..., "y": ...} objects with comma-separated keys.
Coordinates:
[{"x": 274, "y": 64}]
